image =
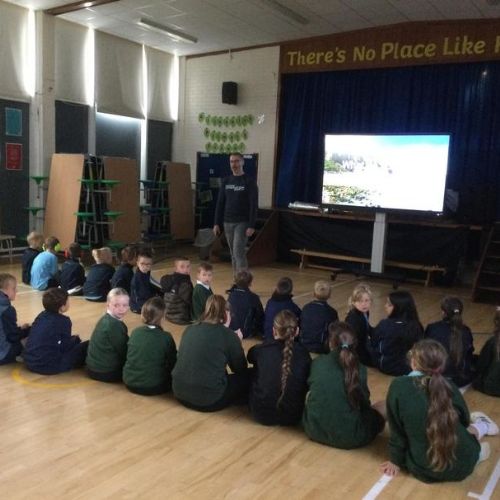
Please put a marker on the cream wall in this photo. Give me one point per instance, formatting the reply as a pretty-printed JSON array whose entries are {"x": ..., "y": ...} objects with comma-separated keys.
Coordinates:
[{"x": 256, "y": 73}]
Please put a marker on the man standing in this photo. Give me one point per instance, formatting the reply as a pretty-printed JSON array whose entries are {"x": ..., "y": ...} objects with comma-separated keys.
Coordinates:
[{"x": 236, "y": 211}]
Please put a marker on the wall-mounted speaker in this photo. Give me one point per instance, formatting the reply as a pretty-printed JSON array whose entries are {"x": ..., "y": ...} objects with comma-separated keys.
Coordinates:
[{"x": 229, "y": 92}]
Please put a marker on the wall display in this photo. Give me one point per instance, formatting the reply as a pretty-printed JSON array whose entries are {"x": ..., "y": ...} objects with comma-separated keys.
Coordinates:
[
  {"x": 225, "y": 141},
  {"x": 13, "y": 156},
  {"x": 13, "y": 122}
]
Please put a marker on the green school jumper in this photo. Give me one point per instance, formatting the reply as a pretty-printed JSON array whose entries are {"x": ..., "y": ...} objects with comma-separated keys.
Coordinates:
[
  {"x": 407, "y": 404},
  {"x": 488, "y": 370},
  {"x": 108, "y": 345},
  {"x": 200, "y": 297},
  {"x": 151, "y": 357},
  {"x": 328, "y": 417},
  {"x": 199, "y": 376}
]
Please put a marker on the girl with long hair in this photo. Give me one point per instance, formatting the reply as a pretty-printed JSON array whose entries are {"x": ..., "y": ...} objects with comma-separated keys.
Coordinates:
[
  {"x": 279, "y": 376},
  {"x": 488, "y": 364},
  {"x": 431, "y": 434},
  {"x": 456, "y": 338},
  {"x": 200, "y": 380},
  {"x": 338, "y": 410},
  {"x": 358, "y": 317},
  {"x": 394, "y": 336}
]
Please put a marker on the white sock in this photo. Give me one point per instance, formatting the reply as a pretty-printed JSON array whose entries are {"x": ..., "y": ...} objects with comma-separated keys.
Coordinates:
[{"x": 481, "y": 428}]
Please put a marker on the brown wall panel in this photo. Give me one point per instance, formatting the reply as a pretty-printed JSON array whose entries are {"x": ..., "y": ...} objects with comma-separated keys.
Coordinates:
[{"x": 180, "y": 201}]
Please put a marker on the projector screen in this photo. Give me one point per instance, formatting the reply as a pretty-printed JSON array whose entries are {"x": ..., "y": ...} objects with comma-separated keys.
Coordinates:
[{"x": 405, "y": 172}]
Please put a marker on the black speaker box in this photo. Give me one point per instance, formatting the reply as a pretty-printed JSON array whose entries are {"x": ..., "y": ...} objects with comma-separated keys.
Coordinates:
[{"x": 229, "y": 92}]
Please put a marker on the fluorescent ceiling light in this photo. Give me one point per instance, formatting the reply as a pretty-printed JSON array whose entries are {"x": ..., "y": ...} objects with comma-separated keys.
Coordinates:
[
  {"x": 178, "y": 36},
  {"x": 285, "y": 11}
]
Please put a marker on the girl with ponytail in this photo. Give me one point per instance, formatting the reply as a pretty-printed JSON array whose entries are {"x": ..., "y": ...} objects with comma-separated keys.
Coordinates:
[
  {"x": 280, "y": 370},
  {"x": 338, "y": 411},
  {"x": 488, "y": 364},
  {"x": 431, "y": 434},
  {"x": 456, "y": 338}
]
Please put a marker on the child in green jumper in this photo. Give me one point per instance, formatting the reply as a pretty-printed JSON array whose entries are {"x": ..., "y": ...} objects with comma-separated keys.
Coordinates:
[
  {"x": 431, "y": 431},
  {"x": 202, "y": 289},
  {"x": 338, "y": 410},
  {"x": 151, "y": 353}
]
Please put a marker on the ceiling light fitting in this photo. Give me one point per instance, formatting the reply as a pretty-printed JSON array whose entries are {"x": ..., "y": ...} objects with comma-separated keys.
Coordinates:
[
  {"x": 285, "y": 11},
  {"x": 178, "y": 36}
]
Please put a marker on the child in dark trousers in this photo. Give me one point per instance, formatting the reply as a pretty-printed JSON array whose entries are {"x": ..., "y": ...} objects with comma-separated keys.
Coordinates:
[
  {"x": 338, "y": 411},
  {"x": 151, "y": 353},
  {"x": 432, "y": 435},
  {"x": 279, "y": 376},
  {"x": 456, "y": 338},
  {"x": 247, "y": 313},
  {"x": 359, "y": 318},
  {"x": 488, "y": 365},
  {"x": 35, "y": 244},
  {"x": 281, "y": 299},
  {"x": 72, "y": 275},
  {"x": 178, "y": 292},
  {"x": 108, "y": 344},
  {"x": 316, "y": 318},
  {"x": 50, "y": 348},
  {"x": 10, "y": 333},
  {"x": 98, "y": 282},
  {"x": 143, "y": 286},
  {"x": 202, "y": 289},
  {"x": 125, "y": 271}
]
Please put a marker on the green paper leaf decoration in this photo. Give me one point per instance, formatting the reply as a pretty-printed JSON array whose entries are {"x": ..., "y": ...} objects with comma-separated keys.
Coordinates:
[
  {"x": 213, "y": 121},
  {"x": 206, "y": 133},
  {"x": 250, "y": 119},
  {"x": 212, "y": 135},
  {"x": 201, "y": 117},
  {"x": 244, "y": 120},
  {"x": 220, "y": 120},
  {"x": 229, "y": 149},
  {"x": 208, "y": 147},
  {"x": 237, "y": 136},
  {"x": 207, "y": 119},
  {"x": 231, "y": 136},
  {"x": 233, "y": 121},
  {"x": 224, "y": 136},
  {"x": 241, "y": 147},
  {"x": 226, "y": 121},
  {"x": 244, "y": 134},
  {"x": 217, "y": 136},
  {"x": 238, "y": 121}
]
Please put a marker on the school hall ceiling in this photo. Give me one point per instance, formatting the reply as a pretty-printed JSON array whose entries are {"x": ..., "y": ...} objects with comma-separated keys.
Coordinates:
[{"x": 220, "y": 25}]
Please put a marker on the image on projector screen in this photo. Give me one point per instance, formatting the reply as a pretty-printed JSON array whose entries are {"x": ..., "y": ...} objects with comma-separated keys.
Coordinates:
[{"x": 386, "y": 171}]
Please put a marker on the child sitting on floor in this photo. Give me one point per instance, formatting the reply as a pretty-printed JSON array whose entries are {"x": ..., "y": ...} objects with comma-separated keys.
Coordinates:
[
  {"x": 316, "y": 318},
  {"x": 202, "y": 289},
  {"x": 456, "y": 338},
  {"x": 338, "y": 410},
  {"x": 50, "y": 348},
  {"x": 431, "y": 433},
  {"x": 35, "y": 244},
  {"x": 72, "y": 275},
  {"x": 178, "y": 292},
  {"x": 151, "y": 353},
  {"x": 359, "y": 318},
  {"x": 281, "y": 299},
  {"x": 44, "y": 269},
  {"x": 143, "y": 286},
  {"x": 247, "y": 313},
  {"x": 10, "y": 333},
  {"x": 279, "y": 376},
  {"x": 125, "y": 271},
  {"x": 488, "y": 364},
  {"x": 98, "y": 282},
  {"x": 108, "y": 344}
]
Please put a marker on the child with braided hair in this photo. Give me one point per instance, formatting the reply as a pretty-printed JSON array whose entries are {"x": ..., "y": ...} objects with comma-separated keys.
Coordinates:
[
  {"x": 488, "y": 364},
  {"x": 456, "y": 338},
  {"x": 431, "y": 432},
  {"x": 338, "y": 410},
  {"x": 279, "y": 376}
]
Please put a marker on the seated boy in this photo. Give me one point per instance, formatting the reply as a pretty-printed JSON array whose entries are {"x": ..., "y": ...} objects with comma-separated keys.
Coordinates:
[
  {"x": 178, "y": 292},
  {"x": 125, "y": 271},
  {"x": 10, "y": 333},
  {"x": 202, "y": 289},
  {"x": 143, "y": 286},
  {"x": 35, "y": 244},
  {"x": 44, "y": 269},
  {"x": 72, "y": 276},
  {"x": 247, "y": 313},
  {"x": 316, "y": 317}
]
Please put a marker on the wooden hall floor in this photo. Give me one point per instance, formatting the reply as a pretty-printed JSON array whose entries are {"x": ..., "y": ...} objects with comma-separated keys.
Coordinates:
[{"x": 67, "y": 436}]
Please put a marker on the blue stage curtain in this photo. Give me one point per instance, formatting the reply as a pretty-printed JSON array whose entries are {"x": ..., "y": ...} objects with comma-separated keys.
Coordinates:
[{"x": 460, "y": 99}]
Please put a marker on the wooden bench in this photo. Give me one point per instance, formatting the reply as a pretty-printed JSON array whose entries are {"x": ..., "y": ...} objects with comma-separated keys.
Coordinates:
[{"x": 305, "y": 254}]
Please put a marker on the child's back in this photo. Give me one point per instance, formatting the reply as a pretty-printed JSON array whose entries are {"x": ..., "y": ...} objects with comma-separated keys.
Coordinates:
[
  {"x": 178, "y": 296},
  {"x": 98, "y": 282},
  {"x": 72, "y": 275},
  {"x": 247, "y": 313},
  {"x": 122, "y": 278},
  {"x": 151, "y": 353},
  {"x": 44, "y": 268},
  {"x": 35, "y": 241},
  {"x": 315, "y": 319}
]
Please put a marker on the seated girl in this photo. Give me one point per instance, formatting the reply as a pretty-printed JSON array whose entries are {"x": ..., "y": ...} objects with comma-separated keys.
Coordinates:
[
  {"x": 338, "y": 410},
  {"x": 431, "y": 434},
  {"x": 279, "y": 375}
]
